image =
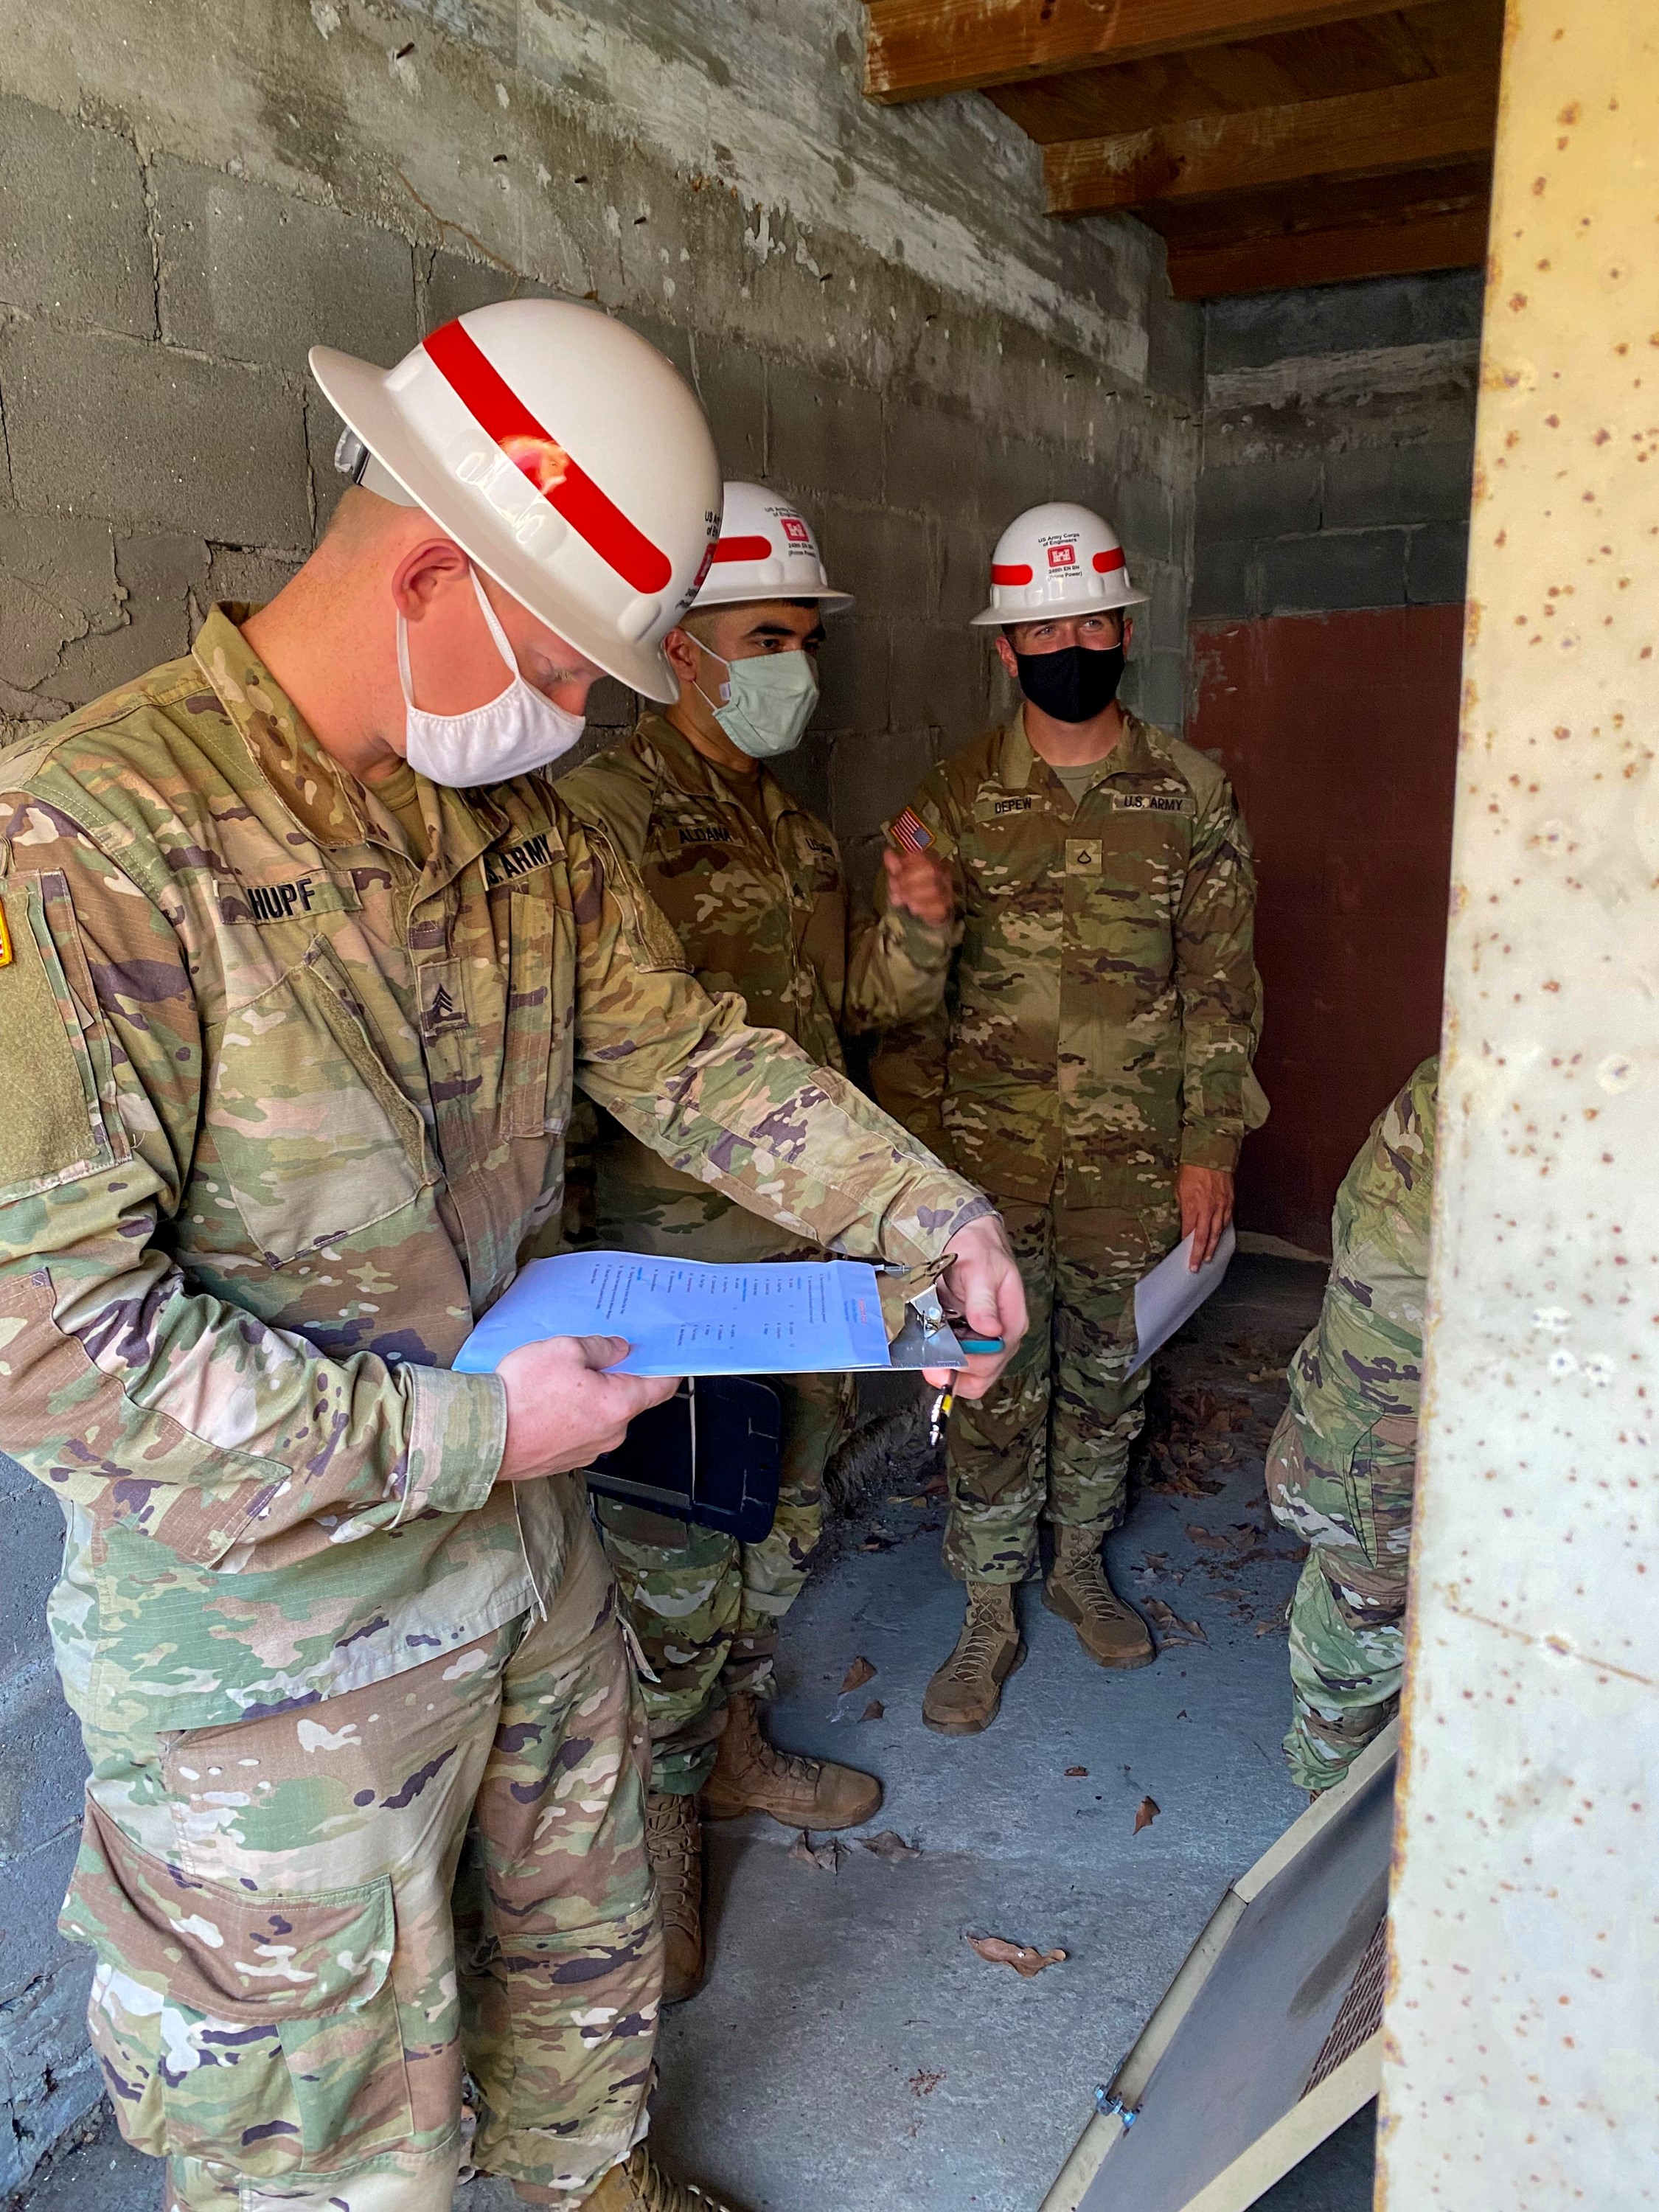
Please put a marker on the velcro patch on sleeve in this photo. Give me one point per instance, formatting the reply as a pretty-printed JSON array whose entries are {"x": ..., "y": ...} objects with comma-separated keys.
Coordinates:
[{"x": 50, "y": 1123}]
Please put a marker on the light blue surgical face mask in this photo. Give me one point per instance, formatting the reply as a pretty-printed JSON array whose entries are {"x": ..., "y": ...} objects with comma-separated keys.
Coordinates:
[{"x": 765, "y": 703}]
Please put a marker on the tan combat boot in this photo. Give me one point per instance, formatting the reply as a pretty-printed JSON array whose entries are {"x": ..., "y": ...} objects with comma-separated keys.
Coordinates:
[
  {"x": 640, "y": 2186},
  {"x": 965, "y": 1694},
  {"x": 752, "y": 1776},
  {"x": 1107, "y": 1627},
  {"x": 673, "y": 1839}
]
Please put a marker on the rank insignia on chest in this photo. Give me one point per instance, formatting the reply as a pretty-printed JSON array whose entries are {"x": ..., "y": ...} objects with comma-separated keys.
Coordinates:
[{"x": 1148, "y": 802}]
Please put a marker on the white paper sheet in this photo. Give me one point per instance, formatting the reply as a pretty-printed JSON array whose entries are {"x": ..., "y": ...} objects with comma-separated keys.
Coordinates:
[
  {"x": 689, "y": 1317},
  {"x": 1172, "y": 1294}
]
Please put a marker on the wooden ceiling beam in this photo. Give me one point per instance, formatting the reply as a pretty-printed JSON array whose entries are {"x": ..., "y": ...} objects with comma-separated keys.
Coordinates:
[
  {"x": 917, "y": 49},
  {"x": 1452, "y": 240},
  {"x": 1405, "y": 126}
]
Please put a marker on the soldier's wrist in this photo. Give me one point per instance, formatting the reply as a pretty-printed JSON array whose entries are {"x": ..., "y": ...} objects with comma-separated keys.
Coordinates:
[{"x": 457, "y": 1439}]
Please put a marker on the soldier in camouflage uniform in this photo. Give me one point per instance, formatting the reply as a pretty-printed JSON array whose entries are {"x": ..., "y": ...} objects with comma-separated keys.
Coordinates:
[
  {"x": 287, "y": 1036},
  {"x": 1086, "y": 1063},
  {"x": 751, "y": 882},
  {"x": 1342, "y": 1464}
]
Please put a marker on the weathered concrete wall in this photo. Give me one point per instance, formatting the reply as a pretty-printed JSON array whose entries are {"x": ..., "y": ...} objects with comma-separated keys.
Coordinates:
[
  {"x": 875, "y": 315},
  {"x": 1337, "y": 428}
]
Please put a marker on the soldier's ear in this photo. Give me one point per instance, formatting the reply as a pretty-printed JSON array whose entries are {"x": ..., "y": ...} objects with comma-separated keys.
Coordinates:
[
  {"x": 682, "y": 651},
  {"x": 1006, "y": 654},
  {"x": 433, "y": 565}
]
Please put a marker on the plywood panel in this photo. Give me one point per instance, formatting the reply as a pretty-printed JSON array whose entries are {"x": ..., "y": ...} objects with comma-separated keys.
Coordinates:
[{"x": 1340, "y": 733}]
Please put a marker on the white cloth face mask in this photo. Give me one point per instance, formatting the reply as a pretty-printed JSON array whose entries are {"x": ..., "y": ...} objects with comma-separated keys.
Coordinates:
[{"x": 518, "y": 730}]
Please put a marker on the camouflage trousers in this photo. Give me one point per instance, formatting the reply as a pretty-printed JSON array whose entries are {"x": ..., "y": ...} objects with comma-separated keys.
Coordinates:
[
  {"x": 706, "y": 1609},
  {"x": 1054, "y": 1437},
  {"x": 1347, "y": 1617},
  {"x": 306, "y": 1924}
]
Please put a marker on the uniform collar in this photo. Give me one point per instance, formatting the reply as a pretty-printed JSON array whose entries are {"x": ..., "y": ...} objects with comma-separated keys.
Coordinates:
[
  {"x": 1016, "y": 766},
  {"x": 689, "y": 772},
  {"x": 324, "y": 799}
]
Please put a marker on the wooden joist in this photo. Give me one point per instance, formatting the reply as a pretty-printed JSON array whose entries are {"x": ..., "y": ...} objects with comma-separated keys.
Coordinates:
[
  {"x": 1456, "y": 240},
  {"x": 1406, "y": 126},
  {"x": 917, "y": 49}
]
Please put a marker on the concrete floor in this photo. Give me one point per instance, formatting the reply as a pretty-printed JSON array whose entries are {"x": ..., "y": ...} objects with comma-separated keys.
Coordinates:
[{"x": 850, "y": 2053}]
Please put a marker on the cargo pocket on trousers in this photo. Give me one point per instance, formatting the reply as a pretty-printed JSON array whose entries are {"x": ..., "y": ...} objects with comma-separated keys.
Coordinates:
[
  {"x": 261, "y": 2031},
  {"x": 1378, "y": 1483}
]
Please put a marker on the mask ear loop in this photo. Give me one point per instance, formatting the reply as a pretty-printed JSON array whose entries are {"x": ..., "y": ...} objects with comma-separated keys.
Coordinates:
[
  {"x": 714, "y": 706},
  {"x": 515, "y": 674}
]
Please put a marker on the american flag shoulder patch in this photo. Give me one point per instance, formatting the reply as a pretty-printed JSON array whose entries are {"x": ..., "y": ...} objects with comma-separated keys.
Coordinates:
[{"x": 910, "y": 833}]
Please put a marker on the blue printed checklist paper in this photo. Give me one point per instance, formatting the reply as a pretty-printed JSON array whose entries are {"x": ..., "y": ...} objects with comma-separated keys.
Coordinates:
[{"x": 688, "y": 1317}]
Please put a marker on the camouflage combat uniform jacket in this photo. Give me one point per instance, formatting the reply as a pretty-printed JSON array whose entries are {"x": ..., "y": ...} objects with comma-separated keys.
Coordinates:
[
  {"x": 278, "y": 1107},
  {"x": 1101, "y": 1013},
  {"x": 1342, "y": 1468},
  {"x": 760, "y": 910}
]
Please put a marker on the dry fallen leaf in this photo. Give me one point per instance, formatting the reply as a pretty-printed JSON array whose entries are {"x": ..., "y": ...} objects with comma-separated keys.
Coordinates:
[
  {"x": 1077, "y": 1770},
  {"x": 1025, "y": 1960},
  {"x": 1171, "y": 1627},
  {"x": 1145, "y": 1812},
  {"x": 1268, "y": 1627},
  {"x": 825, "y": 1856},
  {"x": 890, "y": 1845},
  {"x": 874, "y": 1710},
  {"x": 858, "y": 1675},
  {"x": 923, "y": 2084}
]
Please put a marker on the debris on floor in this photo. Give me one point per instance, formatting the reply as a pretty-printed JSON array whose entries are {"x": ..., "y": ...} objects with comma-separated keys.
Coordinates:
[{"x": 1023, "y": 1958}]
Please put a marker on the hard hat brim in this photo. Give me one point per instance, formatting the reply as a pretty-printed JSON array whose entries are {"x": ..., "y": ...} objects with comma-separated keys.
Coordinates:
[
  {"x": 1059, "y": 610},
  {"x": 357, "y": 390},
  {"x": 737, "y": 593}
]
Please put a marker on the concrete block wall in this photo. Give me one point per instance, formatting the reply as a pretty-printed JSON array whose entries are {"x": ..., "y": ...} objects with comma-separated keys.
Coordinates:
[
  {"x": 1338, "y": 429},
  {"x": 877, "y": 316}
]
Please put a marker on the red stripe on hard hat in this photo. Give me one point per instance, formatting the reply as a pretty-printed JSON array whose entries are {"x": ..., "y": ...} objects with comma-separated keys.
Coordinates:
[
  {"x": 1104, "y": 561},
  {"x": 1006, "y": 573},
  {"x": 743, "y": 549},
  {"x": 563, "y": 483}
]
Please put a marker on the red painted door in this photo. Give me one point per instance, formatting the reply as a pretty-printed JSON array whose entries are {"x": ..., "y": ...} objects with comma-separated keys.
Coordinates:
[{"x": 1340, "y": 733}]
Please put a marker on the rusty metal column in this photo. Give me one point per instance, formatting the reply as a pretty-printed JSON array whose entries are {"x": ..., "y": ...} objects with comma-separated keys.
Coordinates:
[{"x": 1522, "y": 2067}]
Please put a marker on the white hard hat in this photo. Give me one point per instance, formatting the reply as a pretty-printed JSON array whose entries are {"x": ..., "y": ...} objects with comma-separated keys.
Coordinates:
[
  {"x": 565, "y": 457},
  {"x": 1061, "y": 559},
  {"x": 766, "y": 550}
]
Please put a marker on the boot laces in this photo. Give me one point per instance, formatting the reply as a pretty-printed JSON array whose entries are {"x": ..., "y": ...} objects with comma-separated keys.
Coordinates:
[
  {"x": 1084, "y": 1570},
  {"x": 654, "y": 2191},
  {"x": 983, "y": 1632}
]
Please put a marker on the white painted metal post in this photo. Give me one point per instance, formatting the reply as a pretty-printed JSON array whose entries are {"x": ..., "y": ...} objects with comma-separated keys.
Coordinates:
[{"x": 1522, "y": 2022}]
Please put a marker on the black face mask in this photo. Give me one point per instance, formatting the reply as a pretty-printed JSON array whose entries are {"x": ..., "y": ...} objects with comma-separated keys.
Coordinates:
[{"x": 1074, "y": 684}]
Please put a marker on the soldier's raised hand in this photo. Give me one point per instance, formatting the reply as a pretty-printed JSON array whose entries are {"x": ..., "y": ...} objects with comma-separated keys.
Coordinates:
[
  {"x": 564, "y": 1408},
  {"x": 921, "y": 883}
]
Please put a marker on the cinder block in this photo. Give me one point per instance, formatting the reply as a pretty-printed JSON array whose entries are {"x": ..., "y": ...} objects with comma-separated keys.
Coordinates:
[
  {"x": 1394, "y": 311},
  {"x": 249, "y": 274},
  {"x": 1142, "y": 511},
  {"x": 1226, "y": 574},
  {"x": 73, "y": 237},
  {"x": 1012, "y": 474},
  {"x": 105, "y": 425},
  {"x": 853, "y": 669},
  {"x": 58, "y": 584},
  {"x": 162, "y": 577},
  {"x": 939, "y": 680},
  {"x": 965, "y": 584},
  {"x": 1260, "y": 499},
  {"x": 886, "y": 559},
  {"x": 612, "y": 705},
  {"x": 930, "y": 461},
  {"x": 233, "y": 574},
  {"x": 822, "y": 435},
  {"x": 1396, "y": 483},
  {"x": 1437, "y": 564},
  {"x": 731, "y": 382},
  {"x": 873, "y": 778},
  {"x": 1155, "y": 688},
  {"x": 1161, "y": 627},
  {"x": 1175, "y": 347},
  {"x": 1344, "y": 569}
]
